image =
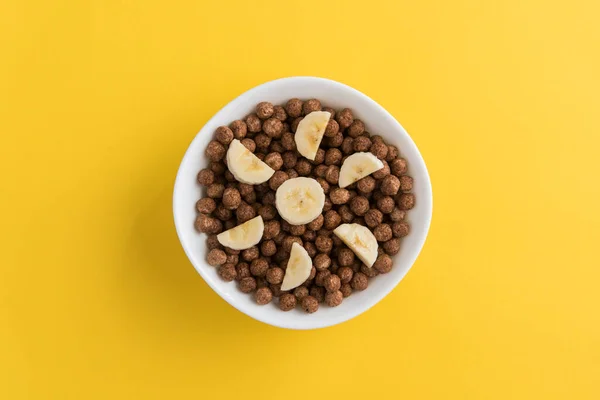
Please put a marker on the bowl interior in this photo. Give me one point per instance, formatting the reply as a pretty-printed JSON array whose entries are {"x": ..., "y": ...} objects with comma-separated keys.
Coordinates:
[{"x": 377, "y": 121}]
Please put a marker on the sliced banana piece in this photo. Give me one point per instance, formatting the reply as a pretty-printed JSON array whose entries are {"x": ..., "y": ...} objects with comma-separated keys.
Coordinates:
[
  {"x": 243, "y": 236},
  {"x": 357, "y": 166},
  {"x": 360, "y": 240},
  {"x": 245, "y": 166},
  {"x": 310, "y": 133},
  {"x": 300, "y": 200},
  {"x": 298, "y": 268}
]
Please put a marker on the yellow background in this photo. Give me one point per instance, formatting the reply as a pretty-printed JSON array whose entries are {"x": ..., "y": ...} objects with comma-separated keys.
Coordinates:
[{"x": 100, "y": 99}]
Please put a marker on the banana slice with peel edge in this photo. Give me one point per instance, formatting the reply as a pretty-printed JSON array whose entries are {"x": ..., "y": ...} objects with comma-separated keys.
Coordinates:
[
  {"x": 298, "y": 268},
  {"x": 360, "y": 240},
  {"x": 309, "y": 133},
  {"x": 357, "y": 166},
  {"x": 243, "y": 236},
  {"x": 245, "y": 166}
]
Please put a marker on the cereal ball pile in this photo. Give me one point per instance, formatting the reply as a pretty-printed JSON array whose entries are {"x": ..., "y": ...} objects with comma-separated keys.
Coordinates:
[{"x": 378, "y": 201}]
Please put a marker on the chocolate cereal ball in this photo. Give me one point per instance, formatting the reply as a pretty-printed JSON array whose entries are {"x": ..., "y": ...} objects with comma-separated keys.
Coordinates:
[
  {"x": 233, "y": 259},
  {"x": 383, "y": 264},
  {"x": 274, "y": 160},
  {"x": 287, "y": 302},
  {"x": 397, "y": 214},
  {"x": 310, "y": 248},
  {"x": 333, "y": 157},
  {"x": 379, "y": 149},
  {"x": 239, "y": 129},
  {"x": 332, "y": 175},
  {"x": 289, "y": 241},
  {"x": 383, "y": 232},
  {"x": 297, "y": 230},
  {"x": 316, "y": 223},
  {"x": 268, "y": 248},
  {"x": 250, "y": 254},
  {"x": 244, "y": 212},
  {"x": 259, "y": 267},
  {"x": 324, "y": 184},
  {"x": 345, "y": 274},
  {"x": 247, "y": 284},
  {"x": 383, "y": 172},
  {"x": 346, "y": 289},
  {"x": 406, "y": 201},
  {"x": 369, "y": 272},
  {"x": 231, "y": 198},
  {"x": 290, "y": 158},
  {"x": 243, "y": 271},
  {"x": 264, "y": 109},
  {"x": 332, "y": 220},
  {"x": 308, "y": 236},
  {"x": 398, "y": 167},
  {"x": 300, "y": 292},
  {"x": 334, "y": 299},
  {"x": 392, "y": 246},
  {"x": 216, "y": 257},
  {"x": 390, "y": 185},
  {"x": 303, "y": 167},
  {"x": 212, "y": 242},
  {"x": 227, "y": 272},
  {"x": 345, "y": 118},
  {"x": 253, "y": 123},
  {"x": 263, "y": 296},
  {"x": 277, "y": 179},
  {"x": 309, "y": 304},
  {"x": 293, "y": 107},
  {"x": 346, "y": 214},
  {"x": 366, "y": 184},
  {"x": 215, "y": 191},
  {"x": 345, "y": 257},
  {"x": 361, "y": 143},
  {"x": 262, "y": 143},
  {"x": 218, "y": 168},
  {"x": 206, "y": 205},
  {"x": 359, "y": 281},
  {"x": 295, "y": 123},
  {"x": 322, "y": 262},
  {"x": 268, "y": 198},
  {"x": 206, "y": 177},
  {"x": 319, "y": 157},
  {"x": 393, "y": 153},
  {"x": 271, "y": 230},
  {"x": 335, "y": 140},
  {"x": 279, "y": 113},
  {"x": 332, "y": 128},
  {"x": 373, "y": 218},
  {"x": 275, "y": 275},
  {"x": 332, "y": 283},
  {"x": 386, "y": 204},
  {"x": 273, "y": 128},
  {"x": 215, "y": 151},
  {"x": 320, "y": 277},
  {"x": 356, "y": 129},
  {"x": 406, "y": 183},
  {"x": 287, "y": 141},
  {"x": 339, "y": 196},
  {"x": 310, "y": 106},
  {"x": 249, "y": 144},
  {"x": 205, "y": 224},
  {"x": 222, "y": 213},
  {"x": 267, "y": 212},
  {"x": 324, "y": 244},
  {"x": 224, "y": 135},
  {"x": 318, "y": 293},
  {"x": 359, "y": 205},
  {"x": 400, "y": 229}
]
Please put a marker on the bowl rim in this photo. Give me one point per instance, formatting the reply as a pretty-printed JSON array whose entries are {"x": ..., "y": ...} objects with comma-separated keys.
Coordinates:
[{"x": 370, "y": 301}]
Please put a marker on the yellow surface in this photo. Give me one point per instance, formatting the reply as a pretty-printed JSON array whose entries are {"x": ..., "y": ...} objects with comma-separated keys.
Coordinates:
[{"x": 99, "y": 100}]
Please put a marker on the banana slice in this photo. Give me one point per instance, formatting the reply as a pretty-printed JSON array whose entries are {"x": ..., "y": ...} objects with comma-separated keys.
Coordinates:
[
  {"x": 298, "y": 268},
  {"x": 360, "y": 240},
  {"x": 310, "y": 133},
  {"x": 243, "y": 236},
  {"x": 300, "y": 200},
  {"x": 357, "y": 166},
  {"x": 245, "y": 166}
]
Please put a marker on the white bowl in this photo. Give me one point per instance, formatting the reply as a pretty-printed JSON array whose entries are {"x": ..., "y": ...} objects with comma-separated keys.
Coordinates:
[{"x": 378, "y": 121}]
